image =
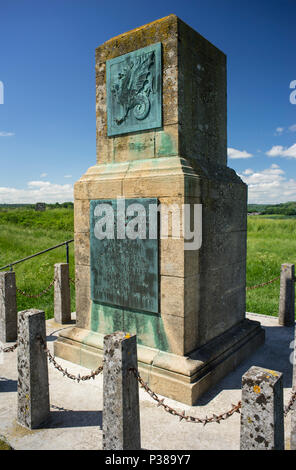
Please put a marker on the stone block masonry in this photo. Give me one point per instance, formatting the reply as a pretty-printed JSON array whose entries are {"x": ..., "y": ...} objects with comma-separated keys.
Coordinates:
[{"x": 189, "y": 313}]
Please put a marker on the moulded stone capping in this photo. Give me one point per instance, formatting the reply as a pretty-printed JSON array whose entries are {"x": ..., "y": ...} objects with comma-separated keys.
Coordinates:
[
  {"x": 164, "y": 29},
  {"x": 158, "y": 186},
  {"x": 101, "y": 189}
]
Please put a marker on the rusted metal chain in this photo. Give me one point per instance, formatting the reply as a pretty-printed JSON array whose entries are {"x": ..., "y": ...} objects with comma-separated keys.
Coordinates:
[
  {"x": 9, "y": 348},
  {"x": 190, "y": 419},
  {"x": 263, "y": 283},
  {"x": 57, "y": 366},
  {"x": 36, "y": 296},
  {"x": 160, "y": 402}
]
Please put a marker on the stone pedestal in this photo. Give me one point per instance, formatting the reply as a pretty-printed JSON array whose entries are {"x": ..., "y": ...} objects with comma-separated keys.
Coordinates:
[{"x": 194, "y": 331}]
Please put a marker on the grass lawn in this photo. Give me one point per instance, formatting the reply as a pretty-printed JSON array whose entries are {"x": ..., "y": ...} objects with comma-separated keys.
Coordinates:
[
  {"x": 24, "y": 232},
  {"x": 271, "y": 242}
]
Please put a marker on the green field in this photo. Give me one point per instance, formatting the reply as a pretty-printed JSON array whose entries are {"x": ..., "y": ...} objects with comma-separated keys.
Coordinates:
[
  {"x": 24, "y": 232},
  {"x": 271, "y": 242}
]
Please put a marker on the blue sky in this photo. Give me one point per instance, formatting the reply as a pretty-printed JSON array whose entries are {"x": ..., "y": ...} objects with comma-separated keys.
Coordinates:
[{"x": 47, "y": 67}]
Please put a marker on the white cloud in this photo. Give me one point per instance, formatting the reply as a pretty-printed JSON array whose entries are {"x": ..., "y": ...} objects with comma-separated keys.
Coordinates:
[
  {"x": 279, "y": 130},
  {"x": 37, "y": 191},
  {"x": 6, "y": 134},
  {"x": 67, "y": 176},
  {"x": 43, "y": 175},
  {"x": 248, "y": 171},
  {"x": 269, "y": 186},
  {"x": 280, "y": 151},
  {"x": 235, "y": 154}
]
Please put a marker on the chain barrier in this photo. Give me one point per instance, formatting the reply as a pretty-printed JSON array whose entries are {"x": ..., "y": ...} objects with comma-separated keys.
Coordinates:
[
  {"x": 57, "y": 366},
  {"x": 9, "y": 348},
  {"x": 190, "y": 419},
  {"x": 32, "y": 296},
  {"x": 72, "y": 281},
  {"x": 291, "y": 403},
  {"x": 263, "y": 283},
  {"x": 160, "y": 402},
  {"x": 45, "y": 291}
]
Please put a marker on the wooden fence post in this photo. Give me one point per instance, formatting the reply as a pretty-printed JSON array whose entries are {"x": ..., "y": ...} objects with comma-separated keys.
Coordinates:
[
  {"x": 262, "y": 413},
  {"x": 121, "y": 415}
]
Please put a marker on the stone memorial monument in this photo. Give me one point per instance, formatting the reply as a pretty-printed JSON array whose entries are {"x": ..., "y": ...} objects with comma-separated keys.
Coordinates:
[{"x": 161, "y": 143}]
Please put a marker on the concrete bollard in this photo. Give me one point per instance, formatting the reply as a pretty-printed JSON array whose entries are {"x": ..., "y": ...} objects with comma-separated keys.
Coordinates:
[
  {"x": 262, "y": 414},
  {"x": 293, "y": 428},
  {"x": 293, "y": 410},
  {"x": 287, "y": 295},
  {"x": 32, "y": 387},
  {"x": 8, "y": 308},
  {"x": 121, "y": 414},
  {"x": 62, "y": 298}
]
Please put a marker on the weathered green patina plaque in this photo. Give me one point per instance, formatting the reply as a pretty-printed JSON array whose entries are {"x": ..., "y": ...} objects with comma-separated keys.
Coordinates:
[
  {"x": 134, "y": 94},
  {"x": 124, "y": 253}
]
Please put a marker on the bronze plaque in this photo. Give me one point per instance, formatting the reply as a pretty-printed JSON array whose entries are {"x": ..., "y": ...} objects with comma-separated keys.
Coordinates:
[{"x": 124, "y": 266}]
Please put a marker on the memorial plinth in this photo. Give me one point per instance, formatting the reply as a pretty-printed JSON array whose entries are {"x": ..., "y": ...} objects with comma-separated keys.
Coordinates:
[{"x": 161, "y": 137}]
